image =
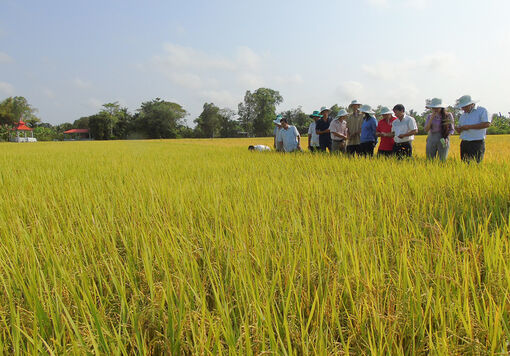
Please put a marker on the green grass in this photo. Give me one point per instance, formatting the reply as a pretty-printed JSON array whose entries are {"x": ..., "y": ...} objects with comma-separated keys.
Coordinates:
[{"x": 201, "y": 247}]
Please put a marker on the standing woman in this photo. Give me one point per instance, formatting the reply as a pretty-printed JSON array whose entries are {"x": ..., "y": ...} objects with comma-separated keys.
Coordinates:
[
  {"x": 368, "y": 136},
  {"x": 384, "y": 132},
  {"x": 439, "y": 126}
]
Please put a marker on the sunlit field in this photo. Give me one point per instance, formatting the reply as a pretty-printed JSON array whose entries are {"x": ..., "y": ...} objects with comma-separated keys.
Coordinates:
[{"x": 202, "y": 247}]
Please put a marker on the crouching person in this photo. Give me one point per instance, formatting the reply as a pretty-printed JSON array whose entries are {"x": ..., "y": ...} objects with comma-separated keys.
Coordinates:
[{"x": 289, "y": 137}]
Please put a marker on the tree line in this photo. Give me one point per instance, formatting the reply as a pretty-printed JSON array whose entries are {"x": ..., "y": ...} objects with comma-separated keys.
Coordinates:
[{"x": 163, "y": 119}]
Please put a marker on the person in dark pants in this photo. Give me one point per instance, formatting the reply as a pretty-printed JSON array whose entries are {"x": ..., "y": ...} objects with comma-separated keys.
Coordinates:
[
  {"x": 403, "y": 130},
  {"x": 322, "y": 129},
  {"x": 384, "y": 132},
  {"x": 368, "y": 137},
  {"x": 354, "y": 121},
  {"x": 473, "y": 124}
]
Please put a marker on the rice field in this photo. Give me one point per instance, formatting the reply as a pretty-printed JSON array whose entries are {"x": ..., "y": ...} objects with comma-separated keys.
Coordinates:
[{"x": 201, "y": 247}]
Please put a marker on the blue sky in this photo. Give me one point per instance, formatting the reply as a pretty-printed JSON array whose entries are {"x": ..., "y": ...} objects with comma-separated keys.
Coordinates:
[{"x": 69, "y": 57}]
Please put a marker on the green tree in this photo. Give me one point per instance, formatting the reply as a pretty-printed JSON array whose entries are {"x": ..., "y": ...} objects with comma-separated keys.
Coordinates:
[
  {"x": 258, "y": 111},
  {"x": 298, "y": 118},
  {"x": 208, "y": 121},
  {"x": 159, "y": 119},
  {"x": 228, "y": 125},
  {"x": 101, "y": 126},
  {"x": 43, "y": 133},
  {"x": 17, "y": 108},
  {"x": 81, "y": 123}
]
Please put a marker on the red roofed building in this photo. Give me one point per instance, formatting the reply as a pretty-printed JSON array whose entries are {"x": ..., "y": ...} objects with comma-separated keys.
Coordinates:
[
  {"x": 77, "y": 134},
  {"x": 20, "y": 126}
]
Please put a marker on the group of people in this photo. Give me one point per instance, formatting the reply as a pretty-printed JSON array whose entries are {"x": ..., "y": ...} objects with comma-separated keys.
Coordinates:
[{"x": 356, "y": 131}]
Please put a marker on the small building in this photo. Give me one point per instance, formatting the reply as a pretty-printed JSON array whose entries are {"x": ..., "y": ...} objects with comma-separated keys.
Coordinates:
[
  {"x": 21, "y": 127},
  {"x": 77, "y": 135}
]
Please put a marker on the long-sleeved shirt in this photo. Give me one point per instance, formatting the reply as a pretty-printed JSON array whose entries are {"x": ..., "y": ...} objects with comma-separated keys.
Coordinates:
[
  {"x": 436, "y": 125},
  {"x": 354, "y": 126},
  {"x": 368, "y": 130}
]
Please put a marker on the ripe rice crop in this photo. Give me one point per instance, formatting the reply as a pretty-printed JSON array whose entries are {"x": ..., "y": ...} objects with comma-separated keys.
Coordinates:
[{"x": 201, "y": 247}]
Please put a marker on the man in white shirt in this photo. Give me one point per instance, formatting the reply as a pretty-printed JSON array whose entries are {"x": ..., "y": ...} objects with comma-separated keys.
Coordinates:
[
  {"x": 289, "y": 137},
  {"x": 473, "y": 124},
  {"x": 403, "y": 130},
  {"x": 313, "y": 138},
  {"x": 259, "y": 148}
]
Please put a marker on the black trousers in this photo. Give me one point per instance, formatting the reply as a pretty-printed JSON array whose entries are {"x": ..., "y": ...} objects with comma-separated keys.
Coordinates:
[
  {"x": 367, "y": 148},
  {"x": 313, "y": 149},
  {"x": 472, "y": 150},
  {"x": 385, "y": 153},
  {"x": 323, "y": 145},
  {"x": 402, "y": 150},
  {"x": 352, "y": 149}
]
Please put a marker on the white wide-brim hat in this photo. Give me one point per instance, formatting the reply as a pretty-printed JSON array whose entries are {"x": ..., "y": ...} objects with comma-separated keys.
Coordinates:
[
  {"x": 367, "y": 109},
  {"x": 341, "y": 113},
  {"x": 277, "y": 120},
  {"x": 385, "y": 110},
  {"x": 464, "y": 101},
  {"x": 434, "y": 103},
  {"x": 354, "y": 102},
  {"x": 324, "y": 108}
]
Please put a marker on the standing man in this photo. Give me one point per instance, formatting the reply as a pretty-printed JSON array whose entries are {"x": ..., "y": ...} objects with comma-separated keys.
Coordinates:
[
  {"x": 339, "y": 132},
  {"x": 384, "y": 132},
  {"x": 403, "y": 130},
  {"x": 473, "y": 124},
  {"x": 322, "y": 129},
  {"x": 277, "y": 128},
  {"x": 289, "y": 137},
  {"x": 354, "y": 121},
  {"x": 313, "y": 138}
]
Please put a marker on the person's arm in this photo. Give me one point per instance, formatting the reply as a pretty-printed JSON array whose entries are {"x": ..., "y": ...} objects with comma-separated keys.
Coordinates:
[
  {"x": 428, "y": 123},
  {"x": 481, "y": 125},
  {"x": 413, "y": 130},
  {"x": 299, "y": 142}
]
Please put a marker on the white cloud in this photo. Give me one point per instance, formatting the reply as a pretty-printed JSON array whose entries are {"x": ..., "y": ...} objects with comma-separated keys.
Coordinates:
[
  {"x": 416, "y": 4},
  {"x": 49, "y": 93},
  {"x": 247, "y": 58},
  {"x": 220, "y": 97},
  {"x": 350, "y": 90},
  {"x": 6, "y": 88},
  {"x": 83, "y": 84},
  {"x": 94, "y": 103},
  {"x": 441, "y": 62},
  {"x": 5, "y": 58},
  {"x": 180, "y": 57},
  {"x": 250, "y": 80}
]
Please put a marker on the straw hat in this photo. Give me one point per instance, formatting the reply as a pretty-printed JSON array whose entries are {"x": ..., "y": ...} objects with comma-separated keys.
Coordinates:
[
  {"x": 385, "y": 110},
  {"x": 367, "y": 109},
  {"x": 341, "y": 113},
  {"x": 434, "y": 103},
  {"x": 464, "y": 101}
]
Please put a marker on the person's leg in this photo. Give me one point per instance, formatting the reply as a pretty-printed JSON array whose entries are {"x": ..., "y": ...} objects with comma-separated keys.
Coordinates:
[
  {"x": 479, "y": 148},
  {"x": 443, "y": 149},
  {"x": 370, "y": 148},
  {"x": 431, "y": 148},
  {"x": 409, "y": 147},
  {"x": 468, "y": 150},
  {"x": 335, "y": 147},
  {"x": 343, "y": 147},
  {"x": 351, "y": 149}
]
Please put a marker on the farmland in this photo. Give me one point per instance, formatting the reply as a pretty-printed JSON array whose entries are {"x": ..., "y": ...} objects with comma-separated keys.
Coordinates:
[{"x": 201, "y": 247}]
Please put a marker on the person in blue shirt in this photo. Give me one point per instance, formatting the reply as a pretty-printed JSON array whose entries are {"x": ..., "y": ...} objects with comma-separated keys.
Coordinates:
[
  {"x": 473, "y": 124},
  {"x": 368, "y": 137}
]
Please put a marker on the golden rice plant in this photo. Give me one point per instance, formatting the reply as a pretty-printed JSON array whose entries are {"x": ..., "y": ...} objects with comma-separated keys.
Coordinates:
[{"x": 201, "y": 247}]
